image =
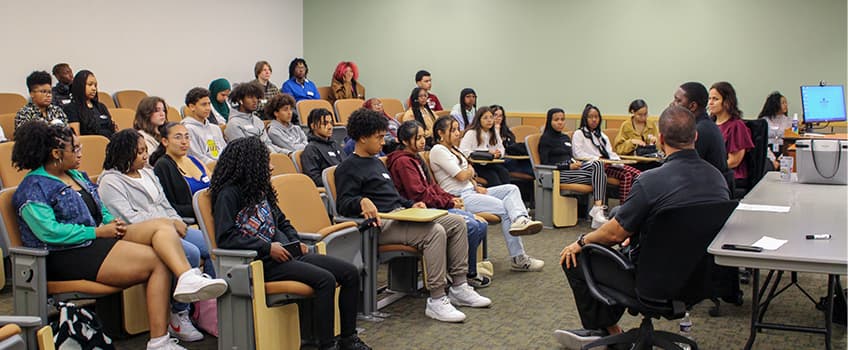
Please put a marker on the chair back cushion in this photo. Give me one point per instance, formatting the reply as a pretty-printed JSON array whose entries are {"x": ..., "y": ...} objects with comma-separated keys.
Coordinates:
[
  {"x": 298, "y": 198},
  {"x": 673, "y": 246},
  {"x": 755, "y": 159}
]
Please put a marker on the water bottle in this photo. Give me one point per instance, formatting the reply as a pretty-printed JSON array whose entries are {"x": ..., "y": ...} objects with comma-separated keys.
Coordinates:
[
  {"x": 685, "y": 330},
  {"x": 795, "y": 123}
]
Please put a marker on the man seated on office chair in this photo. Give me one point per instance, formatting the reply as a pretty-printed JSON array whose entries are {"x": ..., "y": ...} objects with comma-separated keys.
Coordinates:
[{"x": 684, "y": 179}]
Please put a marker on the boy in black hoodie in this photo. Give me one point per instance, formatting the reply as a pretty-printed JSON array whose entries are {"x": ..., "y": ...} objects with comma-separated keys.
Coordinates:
[
  {"x": 322, "y": 151},
  {"x": 365, "y": 188}
]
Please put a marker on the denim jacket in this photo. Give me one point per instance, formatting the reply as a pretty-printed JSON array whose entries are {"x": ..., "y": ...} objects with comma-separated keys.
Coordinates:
[{"x": 51, "y": 215}]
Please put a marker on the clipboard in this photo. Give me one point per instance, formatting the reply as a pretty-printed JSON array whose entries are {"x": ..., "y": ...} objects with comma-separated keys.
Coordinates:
[{"x": 414, "y": 214}]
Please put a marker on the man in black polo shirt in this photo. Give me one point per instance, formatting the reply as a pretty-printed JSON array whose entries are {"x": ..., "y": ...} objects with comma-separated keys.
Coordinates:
[
  {"x": 710, "y": 144},
  {"x": 684, "y": 179}
]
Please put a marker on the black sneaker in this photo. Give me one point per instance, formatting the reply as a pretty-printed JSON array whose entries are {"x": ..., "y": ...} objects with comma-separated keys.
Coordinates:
[{"x": 353, "y": 343}]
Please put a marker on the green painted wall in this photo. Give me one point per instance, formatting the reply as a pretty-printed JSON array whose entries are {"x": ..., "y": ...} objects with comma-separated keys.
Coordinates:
[{"x": 532, "y": 55}]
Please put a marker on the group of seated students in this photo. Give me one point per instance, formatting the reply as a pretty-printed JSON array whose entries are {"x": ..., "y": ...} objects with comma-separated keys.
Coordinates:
[{"x": 139, "y": 209}]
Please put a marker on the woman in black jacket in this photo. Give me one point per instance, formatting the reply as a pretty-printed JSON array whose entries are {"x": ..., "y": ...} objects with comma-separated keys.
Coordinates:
[
  {"x": 555, "y": 149},
  {"x": 85, "y": 113},
  {"x": 247, "y": 217},
  {"x": 180, "y": 174}
]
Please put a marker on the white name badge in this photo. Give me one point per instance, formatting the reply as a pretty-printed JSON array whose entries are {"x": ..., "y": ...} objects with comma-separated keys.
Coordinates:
[
  {"x": 205, "y": 179},
  {"x": 567, "y": 144},
  {"x": 387, "y": 176},
  {"x": 331, "y": 153},
  {"x": 104, "y": 117},
  {"x": 310, "y": 93},
  {"x": 64, "y": 102},
  {"x": 263, "y": 101}
]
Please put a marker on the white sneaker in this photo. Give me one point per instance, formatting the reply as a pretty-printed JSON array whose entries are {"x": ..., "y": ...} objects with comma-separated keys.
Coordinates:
[
  {"x": 193, "y": 286},
  {"x": 442, "y": 310},
  {"x": 465, "y": 295},
  {"x": 524, "y": 226},
  {"x": 597, "y": 215},
  {"x": 525, "y": 263},
  {"x": 181, "y": 327},
  {"x": 168, "y": 344}
]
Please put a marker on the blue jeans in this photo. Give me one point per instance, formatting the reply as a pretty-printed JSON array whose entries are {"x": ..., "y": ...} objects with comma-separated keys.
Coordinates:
[
  {"x": 476, "y": 234},
  {"x": 194, "y": 245},
  {"x": 504, "y": 201}
]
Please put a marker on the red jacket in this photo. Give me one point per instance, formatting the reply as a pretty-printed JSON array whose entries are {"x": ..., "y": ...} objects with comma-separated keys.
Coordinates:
[{"x": 412, "y": 179}]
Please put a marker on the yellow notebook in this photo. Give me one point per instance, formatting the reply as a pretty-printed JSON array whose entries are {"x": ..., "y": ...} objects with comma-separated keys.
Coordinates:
[{"x": 414, "y": 215}]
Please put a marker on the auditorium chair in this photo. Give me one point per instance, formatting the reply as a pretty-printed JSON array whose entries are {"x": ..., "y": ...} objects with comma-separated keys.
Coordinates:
[{"x": 556, "y": 203}]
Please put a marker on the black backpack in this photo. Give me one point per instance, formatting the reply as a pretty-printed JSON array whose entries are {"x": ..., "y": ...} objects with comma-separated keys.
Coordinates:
[{"x": 78, "y": 328}]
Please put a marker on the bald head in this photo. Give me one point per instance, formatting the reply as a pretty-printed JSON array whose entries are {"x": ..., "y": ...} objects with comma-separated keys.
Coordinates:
[{"x": 677, "y": 127}]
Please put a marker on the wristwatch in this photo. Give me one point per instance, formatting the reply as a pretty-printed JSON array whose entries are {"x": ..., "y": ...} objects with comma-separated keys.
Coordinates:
[{"x": 580, "y": 240}]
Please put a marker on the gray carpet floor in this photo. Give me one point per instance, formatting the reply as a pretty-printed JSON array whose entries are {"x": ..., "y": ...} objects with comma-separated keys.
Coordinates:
[{"x": 528, "y": 306}]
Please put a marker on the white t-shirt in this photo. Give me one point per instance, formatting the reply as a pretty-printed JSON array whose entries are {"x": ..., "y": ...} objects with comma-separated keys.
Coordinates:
[
  {"x": 149, "y": 185},
  {"x": 445, "y": 166}
]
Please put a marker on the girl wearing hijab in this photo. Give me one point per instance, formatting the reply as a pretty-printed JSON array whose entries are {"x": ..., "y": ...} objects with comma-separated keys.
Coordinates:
[{"x": 219, "y": 91}]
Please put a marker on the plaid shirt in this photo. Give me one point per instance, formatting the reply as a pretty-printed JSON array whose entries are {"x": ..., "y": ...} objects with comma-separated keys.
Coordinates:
[{"x": 31, "y": 112}]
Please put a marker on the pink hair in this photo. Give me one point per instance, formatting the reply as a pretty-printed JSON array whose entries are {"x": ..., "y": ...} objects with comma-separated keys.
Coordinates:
[{"x": 340, "y": 68}]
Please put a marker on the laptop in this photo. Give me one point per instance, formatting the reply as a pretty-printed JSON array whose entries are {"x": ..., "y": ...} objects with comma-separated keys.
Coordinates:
[{"x": 822, "y": 161}]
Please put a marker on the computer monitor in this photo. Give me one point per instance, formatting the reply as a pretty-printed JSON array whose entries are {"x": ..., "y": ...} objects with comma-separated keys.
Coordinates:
[{"x": 823, "y": 103}]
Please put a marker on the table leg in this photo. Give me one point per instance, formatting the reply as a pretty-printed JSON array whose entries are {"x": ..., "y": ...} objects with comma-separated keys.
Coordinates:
[
  {"x": 771, "y": 293},
  {"x": 828, "y": 310},
  {"x": 755, "y": 306}
]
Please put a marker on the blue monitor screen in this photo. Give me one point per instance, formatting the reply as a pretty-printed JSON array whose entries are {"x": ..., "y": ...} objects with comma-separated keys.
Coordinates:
[{"x": 823, "y": 103}]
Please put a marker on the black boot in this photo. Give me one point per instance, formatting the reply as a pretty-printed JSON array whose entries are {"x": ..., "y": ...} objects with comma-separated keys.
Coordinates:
[{"x": 353, "y": 343}]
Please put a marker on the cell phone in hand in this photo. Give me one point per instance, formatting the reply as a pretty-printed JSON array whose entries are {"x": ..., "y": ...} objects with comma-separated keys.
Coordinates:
[{"x": 293, "y": 248}]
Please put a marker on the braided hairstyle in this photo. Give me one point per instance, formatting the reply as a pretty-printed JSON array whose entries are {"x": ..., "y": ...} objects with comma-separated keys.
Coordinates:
[{"x": 35, "y": 140}]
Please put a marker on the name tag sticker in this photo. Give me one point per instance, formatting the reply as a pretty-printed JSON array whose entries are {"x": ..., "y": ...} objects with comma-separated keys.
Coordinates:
[
  {"x": 103, "y": 116},
  {"x": 205, "y": 179},
  {"x": 310, "y": 93},
  {"x": 567, "y": 144},
  {"x": 331, "y": 153},
  {"x": 64, "y": 102},
  {"x": 387, "y": 176}
]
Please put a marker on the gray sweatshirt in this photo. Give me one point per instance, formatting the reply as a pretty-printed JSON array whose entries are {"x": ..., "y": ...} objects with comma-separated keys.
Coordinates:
[
  {"x": 287, "y": 138},
  {"x": 207, "y": 140},
  {"x": 128, "y": 199},
  {"x": 243, "y": 124}
]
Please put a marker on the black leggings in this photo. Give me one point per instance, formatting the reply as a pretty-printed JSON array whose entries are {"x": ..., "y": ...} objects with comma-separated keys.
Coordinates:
[
  {"x": 322, "y": 272},
  {"x": 495, "y": 174}
]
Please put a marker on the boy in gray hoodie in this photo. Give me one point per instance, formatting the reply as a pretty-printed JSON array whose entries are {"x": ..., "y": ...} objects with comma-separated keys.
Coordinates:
[
  {"x": 282, "y": 131},
  {"x": 207, "y": 140},
  {"x": 242, "y": 122}
]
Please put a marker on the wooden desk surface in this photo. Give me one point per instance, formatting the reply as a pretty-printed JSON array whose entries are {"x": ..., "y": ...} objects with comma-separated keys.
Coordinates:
[
  {"x": 516, "y": 157},
  {"x": 640, "y": 159},
  {"x": 484, "y": 162}
]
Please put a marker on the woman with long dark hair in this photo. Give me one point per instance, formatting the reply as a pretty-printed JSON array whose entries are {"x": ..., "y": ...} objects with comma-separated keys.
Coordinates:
[
  {"x": 454, "y": 175},
  {"x": 723, "y": 108},
  {"x": 590, "y": 143},
  {"x": 481, "y": 136},
  {"x": 59, "y": 210},
  {"x": 466, "y": 109},
  {"x": 85, "y": 112},
  {"x": 413, "y": 180},
  {"x": 512, "y": 146},
  {"x": 180, "y": 174},
  {"x": 555, "y": 149},
  {"x": 774, "y": 112},
  {"x": 247, "y": 217},
  {"x": 420, "y": 111}
]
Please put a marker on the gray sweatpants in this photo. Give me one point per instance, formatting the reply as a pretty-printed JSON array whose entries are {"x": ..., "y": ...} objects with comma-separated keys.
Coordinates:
[{"x": 444, "y": 243}]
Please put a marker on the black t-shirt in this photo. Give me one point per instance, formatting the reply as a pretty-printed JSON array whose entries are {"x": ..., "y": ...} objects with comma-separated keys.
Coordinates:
[
  {"x": 92, "y": 207},
  {"x": 93, "y": 121},
  {"x": 684, "y": 179}
]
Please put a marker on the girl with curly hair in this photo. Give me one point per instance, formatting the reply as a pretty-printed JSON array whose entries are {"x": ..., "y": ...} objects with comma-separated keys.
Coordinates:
[
  {"x": 59, "y": 210},
  {"x": 247, "y": 217}
]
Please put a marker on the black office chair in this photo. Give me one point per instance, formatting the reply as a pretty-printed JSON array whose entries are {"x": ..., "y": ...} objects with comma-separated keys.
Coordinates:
[
  {"x": 670, "y": 275},
  {"x": 755, "y": 159}
]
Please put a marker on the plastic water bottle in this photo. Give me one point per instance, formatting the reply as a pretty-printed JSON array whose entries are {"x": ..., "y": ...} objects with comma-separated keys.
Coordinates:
[
  {"x": 795, "y": 123},
  {"x": 685, "y": 330}
]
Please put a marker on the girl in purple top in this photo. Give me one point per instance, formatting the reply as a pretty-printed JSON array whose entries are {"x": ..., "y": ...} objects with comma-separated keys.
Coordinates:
[{"x": 723, "y": 108}]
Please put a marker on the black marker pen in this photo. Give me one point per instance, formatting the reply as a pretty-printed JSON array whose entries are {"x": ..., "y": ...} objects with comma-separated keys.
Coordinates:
[{"x": 819, "y": 236}]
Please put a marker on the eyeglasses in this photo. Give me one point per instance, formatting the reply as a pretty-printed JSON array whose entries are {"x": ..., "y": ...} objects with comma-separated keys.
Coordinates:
[
  {"x": 180, "y": 137},
  {"x": 77, "y": 149},
  {"x": 44, "y": 92}
]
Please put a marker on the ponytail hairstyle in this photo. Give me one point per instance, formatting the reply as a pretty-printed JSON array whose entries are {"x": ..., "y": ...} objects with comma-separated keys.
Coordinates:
[
  {"x": 407, "y": 132},
  {"x": 477, "y": 127},
  {"x": 445, "y": 124},
  {"x": 164, "y": 131}
]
